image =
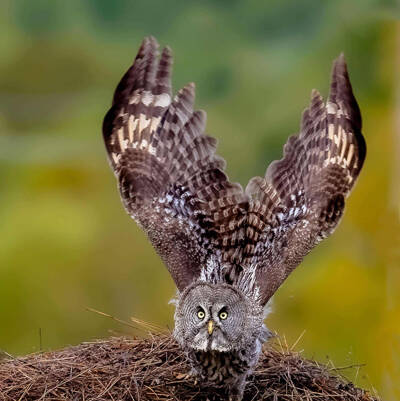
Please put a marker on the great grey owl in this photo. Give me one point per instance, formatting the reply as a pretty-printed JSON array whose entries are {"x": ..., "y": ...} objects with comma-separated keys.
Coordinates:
[{"x": 227, "y": 249}]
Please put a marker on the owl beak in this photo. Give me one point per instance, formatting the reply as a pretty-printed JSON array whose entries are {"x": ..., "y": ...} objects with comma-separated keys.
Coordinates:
[{"x": 210, "y": 327}]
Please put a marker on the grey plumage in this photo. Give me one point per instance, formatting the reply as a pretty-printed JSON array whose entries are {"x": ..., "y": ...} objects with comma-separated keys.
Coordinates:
[
  {"x": 224, "y": 247},
  {"x": 227, "y": 355}
]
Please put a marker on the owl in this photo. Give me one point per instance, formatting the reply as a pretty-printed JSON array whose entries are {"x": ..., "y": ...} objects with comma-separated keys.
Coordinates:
[{"x": 227, "y": 249}]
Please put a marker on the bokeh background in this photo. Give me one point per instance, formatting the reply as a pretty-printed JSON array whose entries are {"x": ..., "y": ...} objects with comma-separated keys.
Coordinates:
[{"x": 65, "y": 240}]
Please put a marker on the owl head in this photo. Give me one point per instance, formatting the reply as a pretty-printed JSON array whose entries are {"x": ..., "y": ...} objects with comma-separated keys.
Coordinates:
[{"x": 216, "y": 317}]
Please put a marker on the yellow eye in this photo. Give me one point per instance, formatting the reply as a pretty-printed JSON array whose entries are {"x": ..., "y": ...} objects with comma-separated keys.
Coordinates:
[
  {"x": 201, "y": 314},
  {"x": 223, "y": 315}
]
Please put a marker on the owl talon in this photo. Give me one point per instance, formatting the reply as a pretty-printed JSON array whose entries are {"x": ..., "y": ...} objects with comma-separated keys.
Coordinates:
[
  {"x": 183, "y": 376},
  {"x": 187, "y": 376}
]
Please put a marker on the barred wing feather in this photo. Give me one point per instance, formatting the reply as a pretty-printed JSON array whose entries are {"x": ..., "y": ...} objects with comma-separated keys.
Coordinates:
[
  {"x": 300, "y": 200},
  {"x": 170, "y": 180}
]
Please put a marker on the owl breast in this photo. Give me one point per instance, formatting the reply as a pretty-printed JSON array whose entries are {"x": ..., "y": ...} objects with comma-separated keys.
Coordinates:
[
  {"x": 219, "y": 367},
  {"x": 224, "y": 368}
]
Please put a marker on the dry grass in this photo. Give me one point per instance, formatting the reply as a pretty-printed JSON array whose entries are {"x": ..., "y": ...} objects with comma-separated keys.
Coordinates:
[{"x": 122, "y": 368}]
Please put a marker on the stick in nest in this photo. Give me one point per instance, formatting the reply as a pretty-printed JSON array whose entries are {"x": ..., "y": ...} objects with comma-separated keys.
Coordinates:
[{"x": 122, "y": 368}]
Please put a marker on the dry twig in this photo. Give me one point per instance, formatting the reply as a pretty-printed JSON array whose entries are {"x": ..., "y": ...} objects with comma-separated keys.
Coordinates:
[{"x": 122, "y": 368}]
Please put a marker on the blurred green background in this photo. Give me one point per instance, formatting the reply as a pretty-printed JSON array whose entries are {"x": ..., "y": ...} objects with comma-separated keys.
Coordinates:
[{"x": 65, "y": 240}]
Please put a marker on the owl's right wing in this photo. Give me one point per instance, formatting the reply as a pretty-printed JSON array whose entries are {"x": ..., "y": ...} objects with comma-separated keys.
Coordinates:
[
  {"x": 170, "y": 180},
  {"x": 300, "y": 200}
]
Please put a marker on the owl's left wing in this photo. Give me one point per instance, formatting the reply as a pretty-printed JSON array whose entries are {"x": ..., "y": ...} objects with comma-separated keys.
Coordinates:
[
  {"x": 170, "y": 179},
  {"x": 300, "y": 200}
]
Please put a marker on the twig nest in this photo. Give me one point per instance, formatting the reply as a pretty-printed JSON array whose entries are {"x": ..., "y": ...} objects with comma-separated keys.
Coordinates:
[{"x": 155, "y": 368}]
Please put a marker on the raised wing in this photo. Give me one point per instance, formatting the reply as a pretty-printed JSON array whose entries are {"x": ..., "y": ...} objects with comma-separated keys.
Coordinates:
[
  {"x": 300, "y": 200},
  {"x": 173, "y": 184},
  {"x": 170, "y": 179}
]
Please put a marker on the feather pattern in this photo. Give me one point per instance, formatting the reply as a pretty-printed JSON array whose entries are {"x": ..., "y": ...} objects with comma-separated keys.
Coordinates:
[
  {"x": 202, "y": 225},
  {"x": 170, "y": 179},
  {"x": 300, "y": 200}
]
